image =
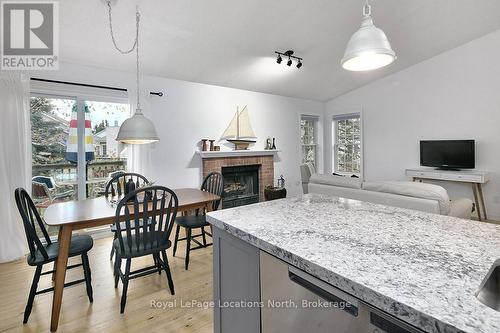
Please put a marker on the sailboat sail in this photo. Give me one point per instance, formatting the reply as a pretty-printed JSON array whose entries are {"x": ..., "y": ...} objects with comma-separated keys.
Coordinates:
[
  {"x": 232, "y": 130},
  {"x": 245, "y": 129},
  {"x": 239, "y": 127}
]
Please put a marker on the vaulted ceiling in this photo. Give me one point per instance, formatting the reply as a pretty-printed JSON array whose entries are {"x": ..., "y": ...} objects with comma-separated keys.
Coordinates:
[{"x": 232, "y": 42}]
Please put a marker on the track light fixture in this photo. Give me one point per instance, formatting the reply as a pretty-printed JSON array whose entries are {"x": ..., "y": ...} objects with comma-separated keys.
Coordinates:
[{"x": 290, "y": 56}]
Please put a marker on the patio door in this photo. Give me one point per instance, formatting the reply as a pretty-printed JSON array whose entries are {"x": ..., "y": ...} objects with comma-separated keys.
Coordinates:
[{"x": 74, "y": 151}]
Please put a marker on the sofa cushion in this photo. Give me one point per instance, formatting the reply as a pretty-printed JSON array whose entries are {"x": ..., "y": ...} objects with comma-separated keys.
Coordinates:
[
  {"x": 336, "y": 181},
  {"x": 413, "y": 189}
]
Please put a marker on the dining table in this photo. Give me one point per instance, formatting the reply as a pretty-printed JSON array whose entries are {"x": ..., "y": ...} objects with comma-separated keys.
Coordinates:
[{"x": 77, "y": 215}]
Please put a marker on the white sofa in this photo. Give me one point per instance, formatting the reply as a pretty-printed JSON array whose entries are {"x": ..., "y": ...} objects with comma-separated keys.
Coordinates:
[{"x": 412, "y": 195}]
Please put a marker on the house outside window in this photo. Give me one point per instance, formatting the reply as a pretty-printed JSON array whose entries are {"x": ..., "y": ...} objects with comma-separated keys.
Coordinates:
[
  {"x": 309, "y": 139},
  {"x": 347, "y": 144}
]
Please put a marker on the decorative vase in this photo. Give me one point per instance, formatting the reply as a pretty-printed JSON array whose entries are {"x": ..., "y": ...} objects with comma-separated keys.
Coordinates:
[
  {"x": 211, "y": 145},
  {"x": 274, "y": 144}
]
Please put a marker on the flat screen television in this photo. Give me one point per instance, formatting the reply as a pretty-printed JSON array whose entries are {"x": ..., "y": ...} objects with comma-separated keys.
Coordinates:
[{"x": 448, "y": 154}]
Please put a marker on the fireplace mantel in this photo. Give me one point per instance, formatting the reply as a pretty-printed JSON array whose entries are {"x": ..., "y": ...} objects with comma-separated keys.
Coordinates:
[
  {"x": 215, "y": 161},
  {"x": 236, "y": 153}
]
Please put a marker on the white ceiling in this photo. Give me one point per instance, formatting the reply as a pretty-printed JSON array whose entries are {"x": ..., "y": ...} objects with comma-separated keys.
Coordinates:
[{"x": 232, "y": 42}]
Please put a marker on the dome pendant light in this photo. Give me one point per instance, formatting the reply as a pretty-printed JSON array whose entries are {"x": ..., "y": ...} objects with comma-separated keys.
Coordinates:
[
  {"x": 138, "y": 129},
  {"x": 368, "y": 47}
]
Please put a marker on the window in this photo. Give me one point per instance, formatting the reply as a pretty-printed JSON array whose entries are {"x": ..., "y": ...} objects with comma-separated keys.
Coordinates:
[
  {"x": 309, "y": 138},
  {"x": 347, "y": 144},
  {"x": 61, "y": 127}
]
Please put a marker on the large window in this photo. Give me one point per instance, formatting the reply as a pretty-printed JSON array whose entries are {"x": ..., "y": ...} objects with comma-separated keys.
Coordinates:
[
  {"x": 347, "y": 144},
  {"x": 62, "y": 128},
  {"x": 309, "y": 139}
]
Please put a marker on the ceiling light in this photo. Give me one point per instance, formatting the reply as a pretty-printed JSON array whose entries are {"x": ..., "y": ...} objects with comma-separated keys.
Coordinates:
[
  {"x": 299, "y": 64},
  {"x": 138, "y": 129},
  {"x": 368, "y": 47},
  {"x": 289, "y": 62},
  {"x": 290, "y": 56},
  {"x": 279, "y": 60}
]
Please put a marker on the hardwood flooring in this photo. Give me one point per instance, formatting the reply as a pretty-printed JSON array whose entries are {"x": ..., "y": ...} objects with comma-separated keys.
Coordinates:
[{"x": 78, "y": 315}]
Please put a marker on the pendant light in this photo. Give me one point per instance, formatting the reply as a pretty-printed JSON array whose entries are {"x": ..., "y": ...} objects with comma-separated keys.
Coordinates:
[
  {"x": 138, "y": 129},
  {"x": 368, "y": 47}
]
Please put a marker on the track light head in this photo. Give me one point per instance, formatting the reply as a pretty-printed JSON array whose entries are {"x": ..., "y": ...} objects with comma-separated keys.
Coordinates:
[
  {"x": 279, "y": 60},
  {"x": 299, "y": 64},
  {"x": 289, "y": 62}
]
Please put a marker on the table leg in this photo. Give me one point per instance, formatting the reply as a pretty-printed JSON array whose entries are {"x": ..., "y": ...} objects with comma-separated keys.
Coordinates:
[
  {"x": 55, "y": 262},
  {"x": 481, "y": 198},
  {"x": 62, "y": 262},
  {"x": 476, "y": 200}
]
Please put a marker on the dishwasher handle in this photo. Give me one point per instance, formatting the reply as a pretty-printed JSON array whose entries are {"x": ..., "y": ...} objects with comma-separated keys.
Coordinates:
[{"x": 304, "y": 281}]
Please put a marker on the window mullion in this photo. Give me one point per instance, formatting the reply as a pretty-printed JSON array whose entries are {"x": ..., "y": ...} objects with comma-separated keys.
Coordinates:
[{"x": 81, "y": 166}]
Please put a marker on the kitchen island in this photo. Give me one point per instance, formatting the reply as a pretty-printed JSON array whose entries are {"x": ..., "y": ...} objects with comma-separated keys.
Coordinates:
[{"x": 422, "y": 270}]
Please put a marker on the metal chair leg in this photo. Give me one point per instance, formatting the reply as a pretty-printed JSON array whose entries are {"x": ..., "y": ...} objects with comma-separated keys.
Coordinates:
[
  {"x": 125, "y": 285},
  {"x": 88, "y": 276},
  {"x": 31, "y": 297}
]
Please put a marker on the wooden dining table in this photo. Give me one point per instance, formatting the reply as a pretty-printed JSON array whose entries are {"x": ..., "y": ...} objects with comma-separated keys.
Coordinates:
[{"x": 77, "y": 215}]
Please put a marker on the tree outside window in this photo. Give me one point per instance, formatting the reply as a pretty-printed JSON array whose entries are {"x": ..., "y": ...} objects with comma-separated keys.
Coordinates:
[
  {"x": 347, "y": 144},
  {"x": 308, "y": 137}
]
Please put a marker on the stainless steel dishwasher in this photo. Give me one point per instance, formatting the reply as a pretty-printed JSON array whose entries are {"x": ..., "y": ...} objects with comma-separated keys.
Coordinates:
[{"x": 296, "y": 302}]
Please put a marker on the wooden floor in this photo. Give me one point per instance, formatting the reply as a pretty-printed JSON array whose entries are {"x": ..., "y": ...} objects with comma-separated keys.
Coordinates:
[{"x": 78, "y": 315}]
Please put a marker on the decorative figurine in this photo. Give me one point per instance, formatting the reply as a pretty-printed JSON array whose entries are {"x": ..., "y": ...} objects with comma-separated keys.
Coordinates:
[
  {"x": 204, "y": 144},
  {"x": 211, "y": 145},
  {"x": 269, "y": 145},
  {"x": 281, "y": 181},
  {"x": 274, "y": 144}
]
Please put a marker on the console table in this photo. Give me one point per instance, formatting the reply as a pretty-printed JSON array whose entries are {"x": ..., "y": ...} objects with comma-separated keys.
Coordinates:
[{"x": 475, "y": 178}]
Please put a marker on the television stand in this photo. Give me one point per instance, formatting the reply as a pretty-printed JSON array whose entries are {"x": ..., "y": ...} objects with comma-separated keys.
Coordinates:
[{"x": 473, "y": 177}]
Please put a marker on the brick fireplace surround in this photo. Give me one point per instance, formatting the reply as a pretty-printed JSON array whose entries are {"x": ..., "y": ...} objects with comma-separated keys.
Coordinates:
[{"x": 266, "y": 169}]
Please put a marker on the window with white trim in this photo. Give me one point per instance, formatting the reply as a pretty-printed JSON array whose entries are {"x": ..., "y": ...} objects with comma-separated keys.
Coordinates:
[
  {"x": 347, "y": 152},
  {"x": 309, "y": 139}
]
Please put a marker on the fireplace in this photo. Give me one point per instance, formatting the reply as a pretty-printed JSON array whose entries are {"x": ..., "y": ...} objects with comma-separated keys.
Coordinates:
[{"x": 241, "y": 185}]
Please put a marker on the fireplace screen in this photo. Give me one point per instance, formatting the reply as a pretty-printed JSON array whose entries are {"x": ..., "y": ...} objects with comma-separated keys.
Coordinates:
[{"x": 241, "y": 185}]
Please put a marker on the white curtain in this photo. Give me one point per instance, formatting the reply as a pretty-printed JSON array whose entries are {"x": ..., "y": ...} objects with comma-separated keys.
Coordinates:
[{"x": 15, "y": 148}]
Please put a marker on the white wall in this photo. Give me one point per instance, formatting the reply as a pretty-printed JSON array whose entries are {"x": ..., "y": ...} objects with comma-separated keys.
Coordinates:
[
  {"x": 454, "y": 95},
  {"x": 190, "y": 111}
]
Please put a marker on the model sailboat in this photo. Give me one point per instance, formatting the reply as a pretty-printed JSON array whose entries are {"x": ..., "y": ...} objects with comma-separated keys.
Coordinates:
[{"x": 240, "y": 132}]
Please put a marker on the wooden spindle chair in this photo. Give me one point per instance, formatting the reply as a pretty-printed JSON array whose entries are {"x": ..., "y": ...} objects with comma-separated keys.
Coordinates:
[
  {"x": 115, "y": 190},
  {"x": 159, "y": 205},
  {"x": 213, "y": 183},
  {"x": 43, "y": 250}
]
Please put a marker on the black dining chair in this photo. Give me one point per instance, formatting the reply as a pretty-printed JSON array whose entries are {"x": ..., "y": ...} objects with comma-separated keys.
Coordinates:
[
  {"x": 115, "y": 189},
  {"x": 213, "y": 183},
  {"x": 43, "y": 250},
  {"x": 158, "y": 204}
]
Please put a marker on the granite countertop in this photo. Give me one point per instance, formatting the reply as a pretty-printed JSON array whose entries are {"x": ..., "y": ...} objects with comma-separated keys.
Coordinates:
[{"x": 423, "y": 268}]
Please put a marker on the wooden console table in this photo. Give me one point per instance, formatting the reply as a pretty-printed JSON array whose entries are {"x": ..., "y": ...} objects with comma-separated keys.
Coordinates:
[{"x": 475, "y": 178}]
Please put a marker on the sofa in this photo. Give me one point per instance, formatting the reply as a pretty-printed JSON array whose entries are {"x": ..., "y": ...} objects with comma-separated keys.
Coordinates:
[{"x": 405, "y": 194}]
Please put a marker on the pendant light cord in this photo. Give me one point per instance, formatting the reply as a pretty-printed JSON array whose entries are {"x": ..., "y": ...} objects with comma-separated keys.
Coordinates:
[
  {"x": 367, "y": 9},
  {"x": 135, "y": 47}
]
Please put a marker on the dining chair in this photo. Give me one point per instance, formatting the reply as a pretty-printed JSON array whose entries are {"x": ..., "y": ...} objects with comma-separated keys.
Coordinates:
[
  {"x": 213, "y": 183},
  {"x": 115, "y": 188},
  {"x": 43, "y": 250},
  {"x": 158, "y": 204}
]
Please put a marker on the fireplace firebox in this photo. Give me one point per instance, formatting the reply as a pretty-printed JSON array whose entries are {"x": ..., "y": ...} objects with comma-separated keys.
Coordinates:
[{"x": 241, "y": 185}]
